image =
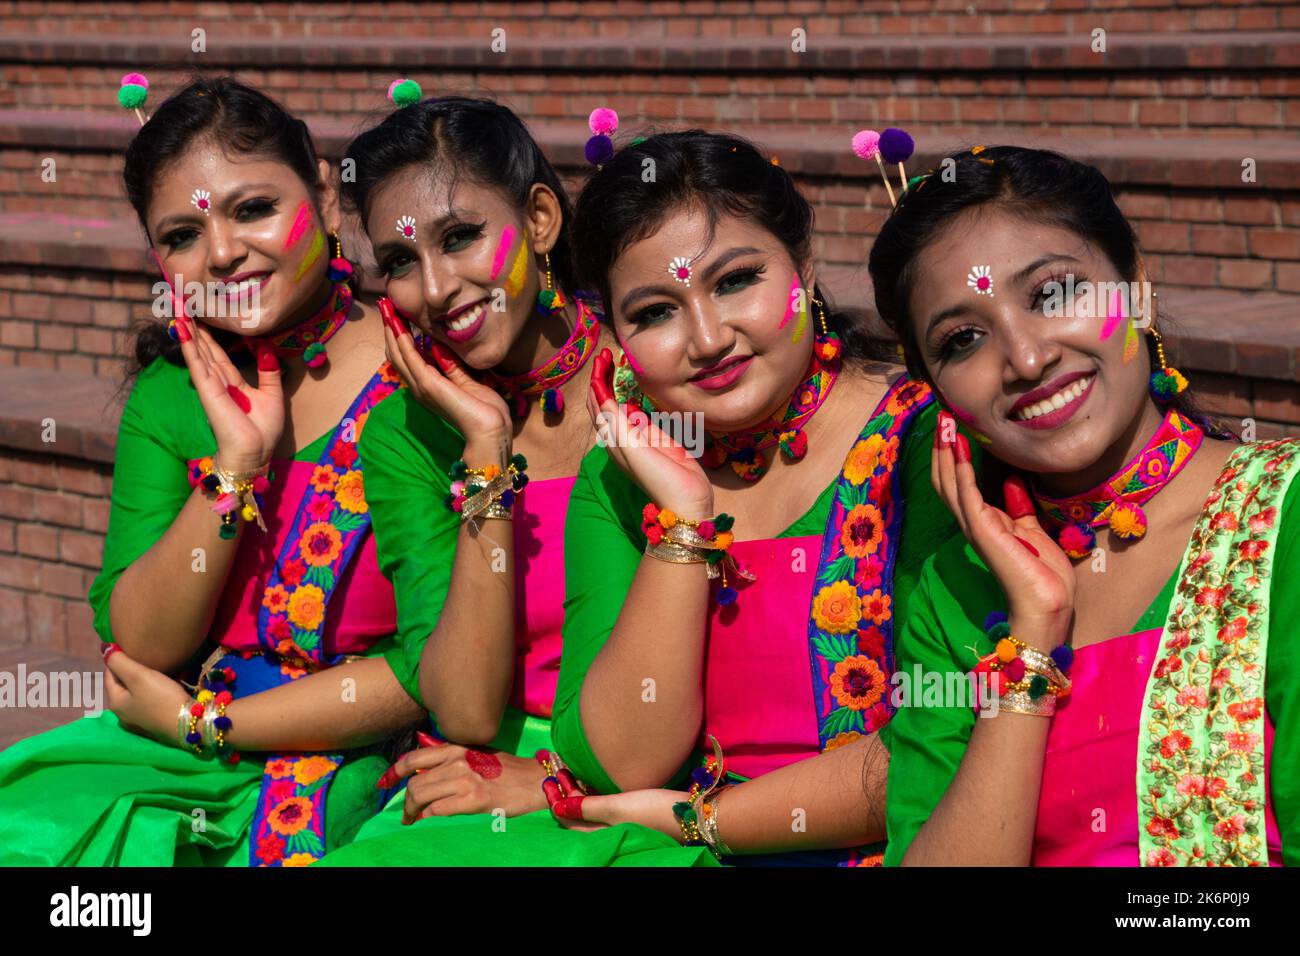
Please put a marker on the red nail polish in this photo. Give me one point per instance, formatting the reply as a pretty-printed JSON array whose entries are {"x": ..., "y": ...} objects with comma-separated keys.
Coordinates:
[
  {"x": 1017, "y": 498},
  {"x": 183, "y": 330},
  {"x": 443, "y": 358},
  {"x": 962, "y": 449},
  {"x": 946, "y": 427},
  {"x": 389, "y": 779},
  {"x": 601, "y": 390},
  {"x": 267, "y": 360},
  {"x": 569, "y": 808},
  {"x": 1029, "y": 547},
  {"x": 427, "y": 740},
  {"x": 240, "y": 398},
  {"x": 551, "y": 787},
  {"x": 109, "y": 650},
  {"x": 569, "y": 782}
]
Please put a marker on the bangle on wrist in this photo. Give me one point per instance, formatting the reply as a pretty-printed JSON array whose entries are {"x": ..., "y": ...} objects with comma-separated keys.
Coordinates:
[
  {"x": 678, "y": 540},
  {"x": 1026, "y": 680},
  {"x": 238, "y": 493},
  {"x": 487, "y": 492},
  {"x": 690, "y": 813},
  {"x": 202, "y": 724}
]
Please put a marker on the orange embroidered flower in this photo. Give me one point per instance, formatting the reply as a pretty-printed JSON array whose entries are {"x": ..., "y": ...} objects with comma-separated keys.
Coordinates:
[
  {"x": 323, "y": 478},
  {"x": 290, "y": 671},
  {"x": 876, "y": 607},
  {"x": 905, "y": 398},
  {"x": 350, "y": 494},
  {"x": 321, "y": 544},
  {"x": 361, "y": 423},
  {"x": 889, "y": 454},
  {"x": 861, "y": 460},
  {"x": 863, "y": 531},
  {"x": 837, "y": 609},
  {"x": 310, "y": 769},
  {"x": 276, "y": 599},
  {"x": 307, "y": 607},
  {"x": 1246, "y": 711},
  {"x": 279, "y": 767},
  {"x": 299, "y": 859},
  {"x": 290, "y": 816},
  {"x": 857, "y": 683},
  {"x": 389, "y": 374},
  {"x": 1234, "y": 630},
  {"x": 840, "y": 739}
]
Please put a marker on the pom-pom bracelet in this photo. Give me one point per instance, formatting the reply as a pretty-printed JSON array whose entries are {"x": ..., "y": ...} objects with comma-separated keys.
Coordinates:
[
  {"x": 1026, "y": 680},
  {"x": 705, "y": 782},
  {"x": 202, "y": 724},
  {"x": 237, "y": 493},
  {"x": 487, "y": 492},
  {"x": 680, "y": 540}
]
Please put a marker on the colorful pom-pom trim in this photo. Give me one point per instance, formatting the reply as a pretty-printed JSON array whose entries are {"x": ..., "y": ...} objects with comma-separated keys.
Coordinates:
[
  {"x": 1167, "y": 384},
  {"x": 552, "y": 401},
  {"x": 602, "y": 122},
  {"x": 339, "y": 270},
  {"x": 1077, "y": 540}
]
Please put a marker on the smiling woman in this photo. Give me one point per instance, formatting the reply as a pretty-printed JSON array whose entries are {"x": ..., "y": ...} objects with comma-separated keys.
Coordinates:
[
  {"x": 1145, "y": 647},
  {"x": 277, "y": 594}
]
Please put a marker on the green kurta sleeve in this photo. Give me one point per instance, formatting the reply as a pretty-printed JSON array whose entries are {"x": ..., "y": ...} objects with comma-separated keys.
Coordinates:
[
  {"x": 1282, "y": 678},
  {"x": 603, "y": 545},
  {"x": 406, "y": 452},
  {"x": 162, "y": 427}
]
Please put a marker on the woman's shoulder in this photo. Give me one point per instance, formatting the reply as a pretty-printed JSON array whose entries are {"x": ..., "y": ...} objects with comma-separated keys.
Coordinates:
[
  {"x": 400, "y": 425},
  {"x": 164, "y": 405}
]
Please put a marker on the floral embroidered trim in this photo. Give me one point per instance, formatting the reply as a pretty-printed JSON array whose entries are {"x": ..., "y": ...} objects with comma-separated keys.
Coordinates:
[
  {"x": 851, "y": 624},
  {"x": 1201, "y": 769}
]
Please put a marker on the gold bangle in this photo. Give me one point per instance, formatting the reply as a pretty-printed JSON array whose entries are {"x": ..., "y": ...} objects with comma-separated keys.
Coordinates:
[
  {"x": 1019, "y": 702},
  {"x": 674, "y": 553}
]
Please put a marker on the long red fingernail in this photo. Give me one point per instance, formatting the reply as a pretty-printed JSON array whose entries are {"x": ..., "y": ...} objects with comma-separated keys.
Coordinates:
[
  {"x": 946, "y": 427},
  {"x": 569, "y": 782},
  {"x": 267, "y": 360},
  {"x": 600, "y": 388},
  {"x": 240, "y": 398},
  {"x": 443, "y": 357},
  {"x": 568, "y": 808},
  {"x": 389, "y": 779},
  {"x": 551, "y": 787},
  {"x": 109, "y": 650},
  {"x": 183, "y": 329},
  {"x": 1016, "y": 496},
  {"x": 427, "y": 740},
  {"x": 1032, "y": 550},
  {"x": 962, "y": 449}
]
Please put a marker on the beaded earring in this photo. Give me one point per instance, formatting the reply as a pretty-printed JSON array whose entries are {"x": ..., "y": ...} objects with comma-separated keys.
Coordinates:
[
  {"x": 550, "y": 300},
  {"x": 827, "y": 345},
  {"x": 1166, "y": 382}
]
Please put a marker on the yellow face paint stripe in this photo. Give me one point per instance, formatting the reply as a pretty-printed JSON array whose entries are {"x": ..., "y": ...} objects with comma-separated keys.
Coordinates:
[
  {"x": 515, "y": 281},
  {"x": 802, "y": 322},
  {"x": 1130, "y": 341},
  {"x": 313, "y": 253}
]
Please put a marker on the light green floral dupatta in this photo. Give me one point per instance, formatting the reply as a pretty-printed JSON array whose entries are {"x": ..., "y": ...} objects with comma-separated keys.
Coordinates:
[{"x": 1201, "y": 768}]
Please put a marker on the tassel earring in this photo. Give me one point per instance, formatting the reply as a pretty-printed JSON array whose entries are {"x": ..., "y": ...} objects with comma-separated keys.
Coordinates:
[
  {"x": 827, "y": 344},
  {"x": 1167, "y": 382},
  {"x": 550, "y": 300}
]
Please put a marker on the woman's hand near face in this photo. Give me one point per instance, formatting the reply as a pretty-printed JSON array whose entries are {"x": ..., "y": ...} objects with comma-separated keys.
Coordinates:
[
  {"x": 662, "y": 468},
  {"x": 1035, "y": 574},
  {"x": 247, "y": 422},
  {"x": 475, "y": 409}
]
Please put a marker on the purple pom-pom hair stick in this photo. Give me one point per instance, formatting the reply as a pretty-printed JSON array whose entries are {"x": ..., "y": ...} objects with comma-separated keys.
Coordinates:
[{"x": 896, "y": 146}]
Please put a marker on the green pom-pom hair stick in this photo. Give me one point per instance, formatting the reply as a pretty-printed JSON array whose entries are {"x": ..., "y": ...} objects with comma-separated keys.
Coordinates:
[
  {"x": 404, "y": 92},
  {"x": 132, "y": 94}
]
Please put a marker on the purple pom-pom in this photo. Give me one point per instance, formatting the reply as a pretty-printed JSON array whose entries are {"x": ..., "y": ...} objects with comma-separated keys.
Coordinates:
[
  {"x": 221, "y": 723},
  {"x": 895, "y": 145},
  {"x": 193, "y": 737},
  {"x": 1063, "y": 657},
  {"x": 702, "y": 777},
  {"x": 994, "y": 617},
  {"x": 599, "y": 150},
  {"x": 507, "y": 498}
]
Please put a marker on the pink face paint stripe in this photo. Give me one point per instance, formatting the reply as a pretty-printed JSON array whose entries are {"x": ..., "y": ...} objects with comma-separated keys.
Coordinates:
[
  {"x": 631, "y": 359},
  {"x": 300, "y": 225},
  {"x": 789, "y": 302},
  {"x": 503, "y": 246},
  {"x": 1113, "y": 315}
]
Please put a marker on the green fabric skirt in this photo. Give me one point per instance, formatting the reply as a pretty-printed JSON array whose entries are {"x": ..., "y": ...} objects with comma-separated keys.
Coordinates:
[
  {"x": 481, "y": 839},
  {"x": 92, "y": 793}
]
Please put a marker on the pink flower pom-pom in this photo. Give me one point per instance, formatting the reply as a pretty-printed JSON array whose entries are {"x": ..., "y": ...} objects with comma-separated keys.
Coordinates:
[
  {"x": 1014, "y": 670},
  {"x": 260, "y": 484},
  {"x": 224, "y": 504},
  {"x": 139, "y": 79},
  {"x": 706, "y": 530},
  {"x": 866, "y": 143},
  {"x": 317, "y": 360},
  {"x": 458, "y": 505},
  {"x": 393, "y": 85},
  {"x": 458, "y": 488},
  {"x": 603, "y": 121},
  {"x": 1077, "y": 540}
]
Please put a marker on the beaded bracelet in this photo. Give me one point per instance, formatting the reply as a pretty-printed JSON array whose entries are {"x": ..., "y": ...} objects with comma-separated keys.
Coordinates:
[
  {"x": 488, "y": 492},
  {"x": 1027, "y": 680},
  {"x": 708, "y": 817},
  {"x": 238, "y": 493},
  {"x": 678, "y": 540}
]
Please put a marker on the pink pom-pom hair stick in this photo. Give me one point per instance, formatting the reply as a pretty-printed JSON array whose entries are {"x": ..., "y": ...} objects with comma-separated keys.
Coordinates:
[{"x": 866, "y": 144}]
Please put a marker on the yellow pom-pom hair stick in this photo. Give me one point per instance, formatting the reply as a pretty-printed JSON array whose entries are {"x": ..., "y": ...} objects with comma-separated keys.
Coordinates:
[{"x": 132, "y": 94}]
